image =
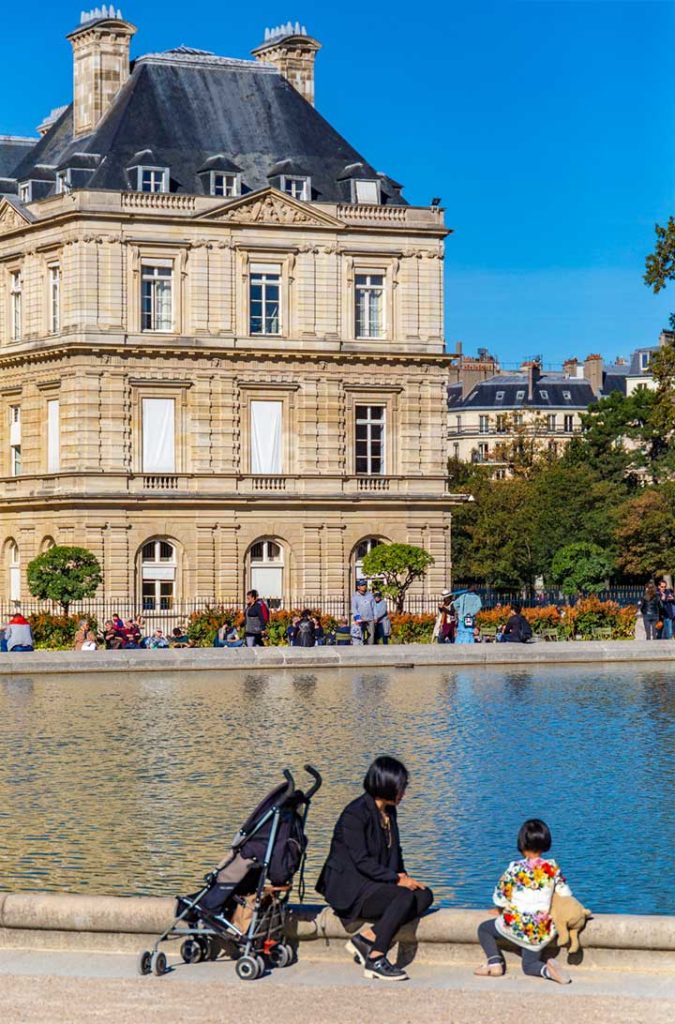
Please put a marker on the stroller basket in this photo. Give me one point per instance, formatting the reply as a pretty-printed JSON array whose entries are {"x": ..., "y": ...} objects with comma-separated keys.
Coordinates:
[{"x": 241, "y": 908}]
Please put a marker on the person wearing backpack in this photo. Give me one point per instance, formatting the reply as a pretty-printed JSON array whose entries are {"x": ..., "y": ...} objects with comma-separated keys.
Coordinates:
[
  {"x": 517, "y": 629},
  {"x": 305, "y": 634},
  {"x": 256, "y": 617}
]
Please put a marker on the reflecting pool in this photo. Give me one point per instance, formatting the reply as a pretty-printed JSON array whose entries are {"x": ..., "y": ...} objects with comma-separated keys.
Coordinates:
[{"x": 129, "y": 783}]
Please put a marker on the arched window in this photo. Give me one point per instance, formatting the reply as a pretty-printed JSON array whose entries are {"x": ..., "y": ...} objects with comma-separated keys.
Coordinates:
[
  {"x": 14, "y": 563},
  {"x": 47, "y": 544},
  {"x": 266, "y": 570},
  {"x": 359, "y": 553},
  {"x": 158, "y": 575}
]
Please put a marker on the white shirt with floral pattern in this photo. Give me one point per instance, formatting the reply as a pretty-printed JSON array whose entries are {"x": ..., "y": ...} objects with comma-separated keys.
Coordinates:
[{"x": 523, "y": 895}]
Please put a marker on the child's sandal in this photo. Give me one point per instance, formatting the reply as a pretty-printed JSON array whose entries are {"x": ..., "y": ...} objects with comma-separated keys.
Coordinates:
[{"x": 490, "y": 971}]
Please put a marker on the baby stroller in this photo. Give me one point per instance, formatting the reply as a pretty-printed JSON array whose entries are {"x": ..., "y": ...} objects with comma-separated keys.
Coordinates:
[{"x": 241, "y": 909}]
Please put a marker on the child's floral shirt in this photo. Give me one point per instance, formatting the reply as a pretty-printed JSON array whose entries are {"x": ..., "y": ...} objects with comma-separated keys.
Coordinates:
[{"x": 524, "y": 894}]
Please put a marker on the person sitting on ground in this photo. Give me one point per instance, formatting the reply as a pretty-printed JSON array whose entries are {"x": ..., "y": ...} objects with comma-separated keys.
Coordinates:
[
  {"x": 81, "y": 634},
  {"x": 232, "y": 638},
  {"x": 132, "y": 635},
  {"x": 292, "y": 631},
  {"x": 111, "y": 637},
  {"x": 179, "y": 637},
  {"x": 364, "y": 877},
  {"x": 18, "y": 634},
  {"x": 356, "y": 631},
  {"x": 342, "y": 632},
  {"x": 523, "y": 897},
  {"x": 306, "y": 634},
  {"x": 477, "y": 635},
  {"x": 157, "y": 640},
  {"x": 89, "y": 643},
  {"x": 517, "y": 629}
]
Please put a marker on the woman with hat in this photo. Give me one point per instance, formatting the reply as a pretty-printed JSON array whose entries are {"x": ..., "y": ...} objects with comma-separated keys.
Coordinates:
[{"x": 446, "y": 621}]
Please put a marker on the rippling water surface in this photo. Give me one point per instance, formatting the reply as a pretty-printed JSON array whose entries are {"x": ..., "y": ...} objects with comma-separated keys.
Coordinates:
[{"x": 128, "y": 784}]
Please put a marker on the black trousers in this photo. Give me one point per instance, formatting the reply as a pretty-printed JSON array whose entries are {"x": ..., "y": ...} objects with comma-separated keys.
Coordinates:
[
  {"x": 391, "y": 906},
  {"x": 532, "y": 959}
]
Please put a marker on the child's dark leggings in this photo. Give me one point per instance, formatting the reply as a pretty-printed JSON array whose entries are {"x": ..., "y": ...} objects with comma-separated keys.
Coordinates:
[{"x": 487, "y": 936}]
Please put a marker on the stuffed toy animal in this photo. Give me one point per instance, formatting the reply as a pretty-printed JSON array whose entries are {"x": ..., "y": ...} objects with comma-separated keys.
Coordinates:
[{"x": 569, "y": 917}]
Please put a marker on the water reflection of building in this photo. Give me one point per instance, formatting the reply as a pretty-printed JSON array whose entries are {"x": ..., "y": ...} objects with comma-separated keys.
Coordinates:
[{"x": 221, "y": 333}]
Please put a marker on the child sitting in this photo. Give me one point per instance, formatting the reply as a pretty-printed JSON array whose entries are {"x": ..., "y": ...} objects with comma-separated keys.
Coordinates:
[{"x": 523, "y": 895}]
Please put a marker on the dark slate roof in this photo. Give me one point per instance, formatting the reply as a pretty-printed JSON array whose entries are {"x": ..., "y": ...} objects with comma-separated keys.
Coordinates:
[
  {"x": 635, "y": 369},
  {"x": 12, "y": 151},
  {"x": 189, "y": 107},
  {"x": 549, "y": 393}
]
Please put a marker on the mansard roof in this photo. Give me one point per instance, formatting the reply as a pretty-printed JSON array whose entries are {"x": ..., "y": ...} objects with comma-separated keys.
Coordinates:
[
  {"x": 13, "y": 149},
  {"x": 509, "y": 391},
  {"x": 190, "y": 106}
]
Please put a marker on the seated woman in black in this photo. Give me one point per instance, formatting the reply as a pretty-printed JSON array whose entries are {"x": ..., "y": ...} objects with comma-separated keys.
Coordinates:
[{"x": 364, "y": 875}]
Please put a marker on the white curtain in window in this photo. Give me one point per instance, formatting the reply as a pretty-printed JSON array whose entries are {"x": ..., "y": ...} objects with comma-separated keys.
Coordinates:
[
  {"x": 163, "y": 304},
  {"x": 159, "y": 455},
  {"x": 15, "y": 428},
  {"x": 266, "y": 437},
  {"x": 53, "y": 437}
]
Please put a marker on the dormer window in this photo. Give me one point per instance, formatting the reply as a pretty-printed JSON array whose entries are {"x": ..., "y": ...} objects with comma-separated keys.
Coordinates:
[
  {"x": 296, "y": 187},
  {"x": 499, "y": 396},
  {"x": 366, "y": 190},
  {"x": 520, "y": 395},
  {"x": 227, "y": 185},
  {"x": 645, "y": 358},
  {"x": 567, "y": 395},
  {"x": 544, "y": 395},
  {"x": 26, "y": 192},
  {"x": 153, "y": 179},
  {"x": 62, "y": 181}
]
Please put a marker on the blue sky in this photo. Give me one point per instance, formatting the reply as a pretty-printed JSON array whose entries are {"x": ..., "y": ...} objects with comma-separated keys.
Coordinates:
[{"x": 546, "y": 127}]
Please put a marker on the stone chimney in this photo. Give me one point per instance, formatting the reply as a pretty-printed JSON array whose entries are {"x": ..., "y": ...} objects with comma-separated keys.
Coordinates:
[
  {"x": 570, "y": 367},
  {"x": 100, "y": 64},
  {"x": 292, "y": 51},
  {"x": 533, "y": 370},
  {"x": 473, "y": 371},
  {"x": 593, "y": 372}
]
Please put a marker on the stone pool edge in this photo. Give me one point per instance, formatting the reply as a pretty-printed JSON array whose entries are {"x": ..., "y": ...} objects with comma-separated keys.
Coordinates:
[
  {"x": 127, "y": 924},
  {"x": 401, "y": 656}
]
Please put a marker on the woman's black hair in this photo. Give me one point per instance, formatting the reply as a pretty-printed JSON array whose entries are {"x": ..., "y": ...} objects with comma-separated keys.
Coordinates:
[
  {"x": 534, "y": 835},
  {"x": 386, "y": 779}
]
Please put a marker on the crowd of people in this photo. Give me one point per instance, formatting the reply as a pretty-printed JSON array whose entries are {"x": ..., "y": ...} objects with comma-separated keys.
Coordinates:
[{"x": 657, "y": 609}]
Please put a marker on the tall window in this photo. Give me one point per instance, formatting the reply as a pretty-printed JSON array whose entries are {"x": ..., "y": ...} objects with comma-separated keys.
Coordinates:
[
  {"x": 53, "y": 436},
  {"x": 265, "y": 292},
  {"x": 483, "y": 451},
  {"x": 550, "y": 421},
  {"x": 266, "y": 570},
  {"x": 298, "y": 188},
  {"x": 14, "y": 560},
  {"x": 153, "y": 179},
  {"x": 266, "y": 437},
  {"x": 370, "y": 447},
  {"x": 54, "y": 299},
  {"x": 501, "y": 424},
  {"x": 15, "y": 440},
  {"x": 16, "y": 312},
  {"x": 25, "y": 192},
  {"x": 455, "y": 450},
  {"x": 369, "y": 305},
  {"x": 158, "y": 575},
  {"x": 156, "y": 298},
  {"x": 569, "y": 424},
  {"x": 159, "y": 433},
  {"x": 224, "y": 184},
  {"x": 484, "y": 424},
  {"x": 363, "y": 548}
]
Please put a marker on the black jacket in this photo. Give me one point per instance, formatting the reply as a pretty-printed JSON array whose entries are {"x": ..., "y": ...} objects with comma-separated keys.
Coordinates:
[
  {"x": 518, "y": 629},
  {"x": 359, "y": 859}
]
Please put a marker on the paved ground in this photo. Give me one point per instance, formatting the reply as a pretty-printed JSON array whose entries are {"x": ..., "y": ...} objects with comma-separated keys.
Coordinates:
[{"x": 70, "y": 988}]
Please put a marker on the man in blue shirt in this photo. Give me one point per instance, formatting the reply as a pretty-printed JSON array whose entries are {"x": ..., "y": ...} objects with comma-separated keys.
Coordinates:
[{"x": 363, "y": 604}]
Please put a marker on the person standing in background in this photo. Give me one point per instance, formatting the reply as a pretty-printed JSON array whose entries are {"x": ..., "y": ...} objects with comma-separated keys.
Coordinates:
[
  {"x": 382, "y": 620},
  {"x": 363, "y": 605}
]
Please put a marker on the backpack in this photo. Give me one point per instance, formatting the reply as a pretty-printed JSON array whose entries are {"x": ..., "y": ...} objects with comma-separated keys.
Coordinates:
[
  {"x": 305, "y": 635},
  {"x": 289, "y": 848},
  {"x": 264, "y": 612}
]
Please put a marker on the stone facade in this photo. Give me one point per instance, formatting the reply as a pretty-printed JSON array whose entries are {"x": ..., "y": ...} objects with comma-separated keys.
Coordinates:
[{"x": 99, "y": 365}]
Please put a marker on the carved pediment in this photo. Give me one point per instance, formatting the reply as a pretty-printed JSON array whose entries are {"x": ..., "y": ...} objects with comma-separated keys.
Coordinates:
[
  {"x": 11, "y": 217},
  {"x": 272, "y": 207}
]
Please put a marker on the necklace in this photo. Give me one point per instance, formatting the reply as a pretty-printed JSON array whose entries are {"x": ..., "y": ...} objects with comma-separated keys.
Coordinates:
[{"x": 385, "y": 822}]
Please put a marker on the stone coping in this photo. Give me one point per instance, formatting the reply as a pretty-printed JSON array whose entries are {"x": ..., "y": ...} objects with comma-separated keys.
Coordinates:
[
  {"x": 395, "y": 656},
  {"x": 143, "y": 915}
]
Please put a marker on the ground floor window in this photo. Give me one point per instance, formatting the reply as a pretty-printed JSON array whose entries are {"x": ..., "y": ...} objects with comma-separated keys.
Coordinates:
[
  {"x": 266, "y": 570},
  {"x": 360, "y": 552},
  {"x": 14, "y": 560},
  {"x": 158, "y": 575}
]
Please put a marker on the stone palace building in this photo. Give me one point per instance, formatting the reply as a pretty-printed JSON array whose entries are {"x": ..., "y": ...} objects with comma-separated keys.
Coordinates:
[{"x": 221, "y": 334}]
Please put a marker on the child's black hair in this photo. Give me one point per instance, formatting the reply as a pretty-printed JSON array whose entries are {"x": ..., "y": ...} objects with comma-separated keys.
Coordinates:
[
  {"x": 534, "y": 835},
  {"x": 386, "y": 779}
]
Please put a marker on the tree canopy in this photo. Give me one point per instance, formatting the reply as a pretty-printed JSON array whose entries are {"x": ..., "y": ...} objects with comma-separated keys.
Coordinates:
[
  {"x": 64, "y": 574},
  {"x": 398, "y": 566},
  {"x": 581, "y": 568}
]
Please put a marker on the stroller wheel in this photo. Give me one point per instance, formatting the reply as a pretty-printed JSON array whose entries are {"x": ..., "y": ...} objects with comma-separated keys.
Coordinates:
[
  {"x": 281, "y": 955},
  {"x": 262, "y": 966},
  {"x": 191, "y": 951},
  {"x": 248, "y": 968},
  {"x": 158, "y": 964},
  {"x": 213, "y": 949},
  {"x": 144, "y": 962}
]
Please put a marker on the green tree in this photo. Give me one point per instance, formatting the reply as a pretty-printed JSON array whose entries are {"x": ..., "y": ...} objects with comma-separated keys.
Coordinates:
[
  {"x": 660, "y": 264},
  {"x": 398, "y": 565},
  {"x": 646, "y": 533},
  {"x": 581, "y": 568},
  {"x": 64, "y": 574}
]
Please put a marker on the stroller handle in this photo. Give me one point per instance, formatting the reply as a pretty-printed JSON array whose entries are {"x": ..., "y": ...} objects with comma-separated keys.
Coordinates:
[
  {"x": 316, "y": 785},
  {"x": 290, "y": 788}
]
